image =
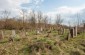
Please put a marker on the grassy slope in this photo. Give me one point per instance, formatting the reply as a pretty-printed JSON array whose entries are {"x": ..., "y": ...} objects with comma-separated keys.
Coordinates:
[{"x": 41, "y": 45}]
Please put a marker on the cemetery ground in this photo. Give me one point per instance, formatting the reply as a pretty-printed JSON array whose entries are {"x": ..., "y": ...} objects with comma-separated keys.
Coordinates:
[{"x": 17, "y": 42}]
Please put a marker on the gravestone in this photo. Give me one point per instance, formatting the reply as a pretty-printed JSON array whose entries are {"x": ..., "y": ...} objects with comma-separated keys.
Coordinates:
[
  {"x": 23, "y": 34},
  {"x": 72, "y": 32},
  {"x": 1, "y": 34},
  {"x": 48, "y": 33},
  {"x": 84, "y": 25},
  {"x": 58, "y": 31},
  {"x": 13, "y": 34},
  {"x": 61, "y": 31},
  {"x": 41, "y": 29},
  {"x": 84, "y": 28},
  {"x": 38, "y": 32},
  {"x": 11, "y": 39},
  {"x": 27, "y": 34},
  {"x": 75, "y": 31},
  {"x": 68, "y": 36}
]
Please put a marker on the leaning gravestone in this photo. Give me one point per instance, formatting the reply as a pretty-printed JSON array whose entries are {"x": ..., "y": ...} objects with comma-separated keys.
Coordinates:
[{"x": 72, "y": 32}]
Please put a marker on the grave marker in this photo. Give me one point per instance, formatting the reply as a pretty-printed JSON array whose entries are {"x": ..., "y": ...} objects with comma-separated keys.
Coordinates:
[
  {"x": 13, "y": 33},
  {"x": 75, "y": 31},
  {"x": 68, "y": 36},
  {"x": 2, "y": 34},
  {"x": 72, "y": 32}
]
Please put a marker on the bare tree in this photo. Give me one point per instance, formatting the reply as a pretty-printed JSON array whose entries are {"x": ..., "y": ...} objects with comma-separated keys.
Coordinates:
[
  {"x": 78, "y": 19},
  {"x": 39, "y": 19},
  {"x": 39, "y": 16},
  {"x": 6, "y": 15},
  {"x": 58, "y": 20},
  {"x": 45, "y": 21},
  {"x": 23, "y": 13},
  {"x": 32, "y": 19}
]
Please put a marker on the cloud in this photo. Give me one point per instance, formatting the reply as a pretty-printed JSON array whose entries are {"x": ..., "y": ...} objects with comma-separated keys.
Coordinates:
[
  {"x": 67, "y": 10},
  {"x": 15, "y": 5},
  {"x": 38, "y": 1},
  {"x": 68, "y": 13},
  {"x": 12, "y": 4}
]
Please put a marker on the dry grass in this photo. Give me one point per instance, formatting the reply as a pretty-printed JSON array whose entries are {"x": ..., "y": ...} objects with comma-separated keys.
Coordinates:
[{"x": 32, "y": 44}]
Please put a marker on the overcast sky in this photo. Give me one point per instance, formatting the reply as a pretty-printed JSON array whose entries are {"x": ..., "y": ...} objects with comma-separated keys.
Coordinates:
[{"x": 67, "y": 8}]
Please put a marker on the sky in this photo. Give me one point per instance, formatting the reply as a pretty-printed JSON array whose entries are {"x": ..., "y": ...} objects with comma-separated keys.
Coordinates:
[{"x": 66, "y": 8}]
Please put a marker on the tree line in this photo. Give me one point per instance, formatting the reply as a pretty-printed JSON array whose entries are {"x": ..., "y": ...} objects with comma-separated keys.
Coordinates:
[{"x": 33, "y": 20}]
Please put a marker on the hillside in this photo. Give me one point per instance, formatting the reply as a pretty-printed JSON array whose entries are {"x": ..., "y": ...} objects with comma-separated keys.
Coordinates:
[{"x": 41, "y": 44}]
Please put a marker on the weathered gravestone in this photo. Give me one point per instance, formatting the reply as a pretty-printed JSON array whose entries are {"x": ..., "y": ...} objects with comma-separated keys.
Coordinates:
[
  {"x": 84, "y": 28},
  {"x": 75, "y": 31},
  {"x": 84, "y": 25},
  {"x": 39, "y": 31},
  {"x": 48, "y": 33},
  {"x": 13, "y": 35},
  {"x": 72, "y": 32},
  {"x": 68, "y": 36},
  {"x": 1, "y": 34},
  {"x": 61, "y": 31},
  {"x": 23, "y": 34}
]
